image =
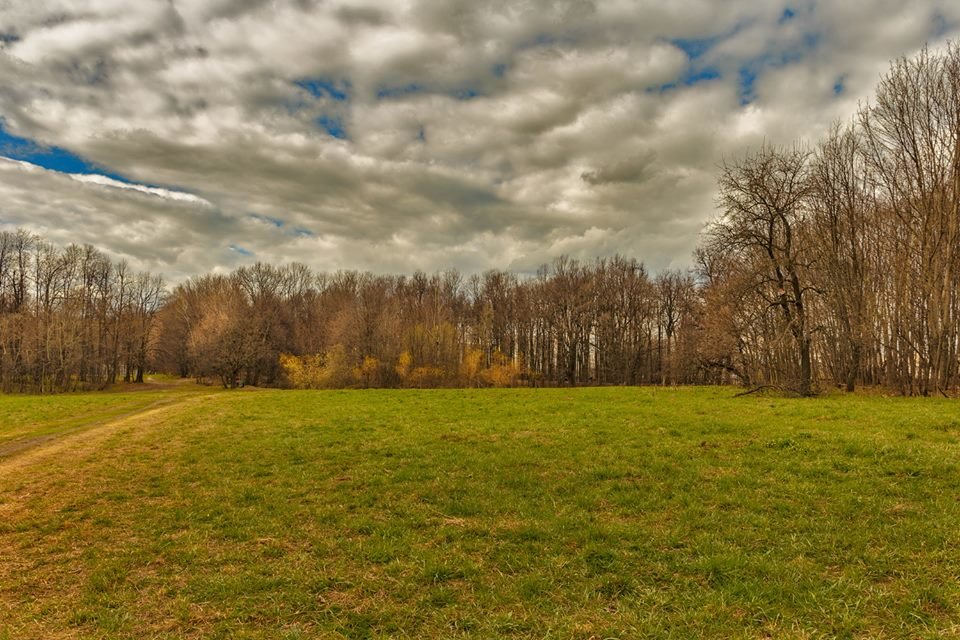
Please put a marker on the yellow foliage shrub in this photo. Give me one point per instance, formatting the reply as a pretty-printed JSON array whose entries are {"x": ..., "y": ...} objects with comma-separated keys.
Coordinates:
[
  {"x": 368, "y": 373},
  {"x": 502, "y": 372},
  {"x": 329, "y": 370},
  {"x": 471, "y": 366},
  {"x": 404, "y": 364}
]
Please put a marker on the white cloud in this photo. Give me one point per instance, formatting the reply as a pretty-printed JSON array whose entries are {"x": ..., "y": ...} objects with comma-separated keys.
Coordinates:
[
  {"x": 157, "y": 191},
  {"x": 509, "y": 132}
]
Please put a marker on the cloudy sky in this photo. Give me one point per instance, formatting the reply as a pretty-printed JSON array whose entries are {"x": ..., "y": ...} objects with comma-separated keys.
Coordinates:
[{"x": 193, "y": 135}]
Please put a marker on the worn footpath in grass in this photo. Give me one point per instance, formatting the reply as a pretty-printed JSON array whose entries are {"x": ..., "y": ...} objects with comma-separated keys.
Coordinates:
[
  {"x": 587, "y": 513},
  {"x": 26, "y": 420}
]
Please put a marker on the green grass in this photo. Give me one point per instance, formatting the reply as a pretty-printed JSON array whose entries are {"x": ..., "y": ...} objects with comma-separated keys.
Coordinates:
[
  {"x": 25, "y": 417},
  {"x": 554, "y": 513}
]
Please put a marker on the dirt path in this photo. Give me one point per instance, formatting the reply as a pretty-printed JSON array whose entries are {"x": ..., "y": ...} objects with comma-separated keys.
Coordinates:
[
  {"x": 96, "y": 419},
  {"x": 82, "y": 438}
]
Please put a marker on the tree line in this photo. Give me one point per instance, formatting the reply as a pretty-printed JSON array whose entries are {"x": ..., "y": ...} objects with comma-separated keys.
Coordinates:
[
  {"x": 71, "y": 318},
  {"x": 608, "y": 322},
  {"x": 842, "y": 262},
  {"x": 836, "y": 264}
]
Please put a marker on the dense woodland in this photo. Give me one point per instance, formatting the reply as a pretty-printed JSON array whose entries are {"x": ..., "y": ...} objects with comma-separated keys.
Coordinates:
[{"x": 836, "y": 265}]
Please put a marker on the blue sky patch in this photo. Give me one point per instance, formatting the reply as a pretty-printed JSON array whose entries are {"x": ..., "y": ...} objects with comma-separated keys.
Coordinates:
[
  {"x": 333, "y": 126},
  {"x": 747, "y": 77},
  {"x": 689, "y": 78},
  {"x": 839, "y": 86},
  {"x": 326, "y": 88},
  {"x": 390, "y": 92},
  {"x": 700, "y": 69},
  {"x": 276, "y": 222},
  {"x": 695, "y": 47},
  {"x": 787, "y": 15},
  {"x": 54, "y": 158},
  {"x": 303, "y": 233},
  {"x": 750, "y": 70},
  {"x": 693, "y": 76},
  {"x": 499, "y": 70},
  {"x": 238, "y": 249}
]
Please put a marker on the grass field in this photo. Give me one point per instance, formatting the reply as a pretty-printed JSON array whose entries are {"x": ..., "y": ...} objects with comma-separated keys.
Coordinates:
[{"x": 554, "y": 513}]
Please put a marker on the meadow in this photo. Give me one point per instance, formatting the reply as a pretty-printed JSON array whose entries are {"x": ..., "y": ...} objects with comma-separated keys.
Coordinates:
[{"x": 190, "y": 512}]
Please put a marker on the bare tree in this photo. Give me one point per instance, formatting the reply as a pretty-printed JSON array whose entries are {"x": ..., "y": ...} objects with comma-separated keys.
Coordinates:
[
  {"x": 762, "y": 199},
  {"x": 843, "y": 207}
]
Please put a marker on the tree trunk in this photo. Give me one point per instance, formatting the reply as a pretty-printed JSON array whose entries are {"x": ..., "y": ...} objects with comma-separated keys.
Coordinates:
[{"x": 806, "y": 374}]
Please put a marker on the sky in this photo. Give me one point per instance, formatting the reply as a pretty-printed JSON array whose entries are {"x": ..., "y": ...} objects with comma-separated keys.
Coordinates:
[{"x": 189, "y": 136}]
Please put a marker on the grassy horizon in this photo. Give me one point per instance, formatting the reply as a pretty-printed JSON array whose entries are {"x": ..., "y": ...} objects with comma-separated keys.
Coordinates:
[{"x": 533, "y": 513}]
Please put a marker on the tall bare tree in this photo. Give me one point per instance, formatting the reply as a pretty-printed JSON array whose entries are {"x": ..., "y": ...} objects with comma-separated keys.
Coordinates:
[{"x": 762, "y": 200}]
